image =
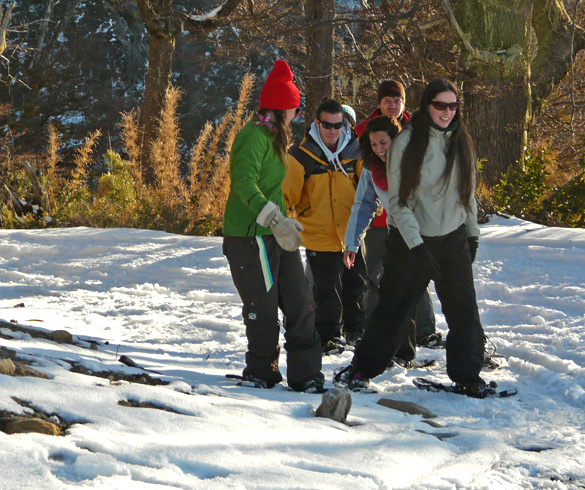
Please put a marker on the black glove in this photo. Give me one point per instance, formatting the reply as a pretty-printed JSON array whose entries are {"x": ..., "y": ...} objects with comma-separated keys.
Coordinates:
[
  {"x": 473, "y": 242},
  {"x": 426, "y": 263}
]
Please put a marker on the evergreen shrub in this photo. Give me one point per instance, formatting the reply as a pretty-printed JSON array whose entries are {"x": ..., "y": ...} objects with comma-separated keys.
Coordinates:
[{"x": 522, "y": 189}]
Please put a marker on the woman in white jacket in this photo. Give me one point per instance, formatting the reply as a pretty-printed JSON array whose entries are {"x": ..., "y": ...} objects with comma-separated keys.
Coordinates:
[{"x": 433, "y": 236}]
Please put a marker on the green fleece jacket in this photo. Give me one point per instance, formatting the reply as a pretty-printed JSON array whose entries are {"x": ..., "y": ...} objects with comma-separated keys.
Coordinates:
[{"x": 256, "y": 174}]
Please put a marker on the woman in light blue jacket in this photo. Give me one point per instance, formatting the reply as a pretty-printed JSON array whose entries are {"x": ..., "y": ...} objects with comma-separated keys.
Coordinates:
[
  {"x": 433, "y": 236},
  {"x": 372, "y": 191}
]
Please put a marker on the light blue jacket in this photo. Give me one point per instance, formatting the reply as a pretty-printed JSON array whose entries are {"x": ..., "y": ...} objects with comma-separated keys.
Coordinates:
[{"x": 368, "y": 197}]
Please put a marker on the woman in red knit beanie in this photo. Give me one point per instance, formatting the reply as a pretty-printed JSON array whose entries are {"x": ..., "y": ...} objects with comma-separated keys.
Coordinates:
[{"x": 261, "y": 244}]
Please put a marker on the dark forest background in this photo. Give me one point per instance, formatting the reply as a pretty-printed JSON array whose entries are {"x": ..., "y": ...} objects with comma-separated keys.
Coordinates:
[{"x": 86, "y": 83}]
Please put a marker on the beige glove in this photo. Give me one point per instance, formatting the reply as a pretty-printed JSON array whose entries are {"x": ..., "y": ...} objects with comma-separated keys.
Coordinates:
[{"x": 285, "y": 230}]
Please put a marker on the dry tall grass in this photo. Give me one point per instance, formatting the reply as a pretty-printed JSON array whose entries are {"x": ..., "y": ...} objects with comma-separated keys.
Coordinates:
[
  {"x": 164, "y": 153},
  {"x": 191, "y": 203},
  {"x": 82, "y": 161},
  {"x": 188, "y": 202},
  {"x": 132, "y": 140},
  {"x": 209, "y": 165},
  {"x": 53, "y": 181}
]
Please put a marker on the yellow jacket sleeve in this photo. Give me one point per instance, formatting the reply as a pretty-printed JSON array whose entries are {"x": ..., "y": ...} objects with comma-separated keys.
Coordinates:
[{"x": 292, "y": 185}]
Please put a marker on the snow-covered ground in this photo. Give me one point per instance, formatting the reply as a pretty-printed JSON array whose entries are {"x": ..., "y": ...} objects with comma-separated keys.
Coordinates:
[{"x": 168, "y": 302}]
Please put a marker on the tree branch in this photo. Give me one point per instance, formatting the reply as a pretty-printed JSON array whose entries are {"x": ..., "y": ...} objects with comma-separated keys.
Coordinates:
[
  {"x": 559, "y": 40},
  {"x": 5, "y": 17},
  {"x": 210, "y": 20},
  {"x": 151, "y": 18},
  {"x": 573, "y": 105}
]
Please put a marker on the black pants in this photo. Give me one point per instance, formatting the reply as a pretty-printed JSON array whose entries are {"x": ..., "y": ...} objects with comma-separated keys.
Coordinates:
[
  {"x": 260, "y": 311},
  {"x": 423, "y": 318},
  {"x": 401, "y": 288},
  {"x": 339, "y": 294}
]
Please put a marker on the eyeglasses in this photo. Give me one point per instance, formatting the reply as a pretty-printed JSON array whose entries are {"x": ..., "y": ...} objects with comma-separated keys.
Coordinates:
[
  {"x": 328, "y": 125},
  {"x": 441, "y": 106},
  {"x": 297, "y": 112}
]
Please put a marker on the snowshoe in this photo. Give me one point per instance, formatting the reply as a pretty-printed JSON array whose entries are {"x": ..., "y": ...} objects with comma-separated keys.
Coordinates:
[
  {"x": 491, "y": 359},
  {"x": 251, "y": 381},
  {"x": 422, "y": 364},
  {"x": 341, "y": 377},
  {"x": 491, "y": 363},
  {"x": 476, "y": 389}
]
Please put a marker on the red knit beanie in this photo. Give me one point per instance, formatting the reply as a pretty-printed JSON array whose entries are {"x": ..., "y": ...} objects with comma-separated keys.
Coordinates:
[{"x": 279, "y": 92}]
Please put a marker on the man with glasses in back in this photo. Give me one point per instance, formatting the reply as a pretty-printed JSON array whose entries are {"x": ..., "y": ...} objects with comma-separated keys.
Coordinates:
[{"x": 321, "y": 178}]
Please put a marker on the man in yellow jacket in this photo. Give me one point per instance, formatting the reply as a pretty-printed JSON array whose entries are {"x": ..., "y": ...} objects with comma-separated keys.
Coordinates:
[{"x": 320, "y": 183}]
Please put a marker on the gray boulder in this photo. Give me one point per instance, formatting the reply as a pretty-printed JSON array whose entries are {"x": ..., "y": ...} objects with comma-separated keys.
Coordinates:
[{"x": 335, "y": 404}]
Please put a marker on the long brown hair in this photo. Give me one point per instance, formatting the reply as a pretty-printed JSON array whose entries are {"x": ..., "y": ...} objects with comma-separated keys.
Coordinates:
[
  {"x": 460, "y": 147},
  {"x": 281, "y": 141}
]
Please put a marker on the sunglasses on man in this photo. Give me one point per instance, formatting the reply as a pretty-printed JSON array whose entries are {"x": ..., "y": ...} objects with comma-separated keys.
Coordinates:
[
  {"x": 441, "y": 106},
  {"x": 328, "y": 125}
]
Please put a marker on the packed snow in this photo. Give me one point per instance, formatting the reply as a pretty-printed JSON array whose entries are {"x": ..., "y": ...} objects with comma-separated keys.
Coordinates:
[{"x": 168, "y": 302}]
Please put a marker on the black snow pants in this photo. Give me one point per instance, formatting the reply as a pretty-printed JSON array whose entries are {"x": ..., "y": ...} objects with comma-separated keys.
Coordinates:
[
  {"x": 401, "y": 288},
  {"x": 290, "y": 293},
  {"x": 423, "y": 318},
  {"x": 339, "y": 293}
]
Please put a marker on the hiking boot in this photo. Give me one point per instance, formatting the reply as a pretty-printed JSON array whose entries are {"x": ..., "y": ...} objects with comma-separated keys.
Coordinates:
[
  {"x": 477, "y": 388},
  {"x": 333, "y": 346},
  {"x": 431, "y": 341},
  {"x": 254, "y": 382},
  {"x": 313, "y": 385},
  {"x": 358, "y": 382}
]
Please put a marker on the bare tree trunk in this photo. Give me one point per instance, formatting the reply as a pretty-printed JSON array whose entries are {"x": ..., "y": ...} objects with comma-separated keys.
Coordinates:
[
  {"x": 42, "y": 34},
  {"x": 559, "y": 40},
  {"x": 45, "y": 55},
  {"x": 164, "y": 23},
  {"x": 5, "y": 18},
  {"x": 319, "y": 15},
  {"x": 497, "y": 116},
  {"x": 516, "y": 52}
]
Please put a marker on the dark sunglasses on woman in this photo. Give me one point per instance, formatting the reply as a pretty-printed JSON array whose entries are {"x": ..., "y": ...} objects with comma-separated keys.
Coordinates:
[
  {"x": 328, "y": 125},
  {"x": 441, "y": 106}
]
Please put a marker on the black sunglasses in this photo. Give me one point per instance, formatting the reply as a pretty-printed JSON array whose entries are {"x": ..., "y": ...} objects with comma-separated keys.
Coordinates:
[
  {"x": 328, "y": 125},
  {"x": 297, "y": 111},
  {"x": 441, "y": 106}
]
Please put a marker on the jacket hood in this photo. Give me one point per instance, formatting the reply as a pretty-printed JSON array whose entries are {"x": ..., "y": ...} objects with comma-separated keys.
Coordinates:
[
  {"x": 344, "y": 140},
  {"x": 349, "y": 151}
]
